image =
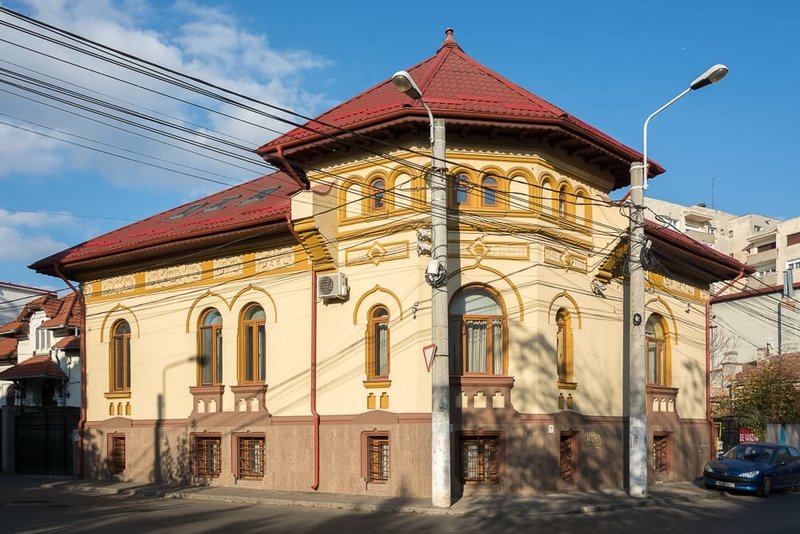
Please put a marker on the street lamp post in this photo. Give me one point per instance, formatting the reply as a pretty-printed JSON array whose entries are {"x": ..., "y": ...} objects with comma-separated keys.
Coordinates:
[
  {"x": 436, "y": 276},
  {"x": 637, "y": 354}
]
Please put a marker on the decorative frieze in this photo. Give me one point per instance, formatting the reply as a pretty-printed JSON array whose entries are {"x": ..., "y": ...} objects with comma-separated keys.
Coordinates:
[
  {"x": 231, "y": 266},
  {"x": 118, "y": 284},
  {"x": 271, "y": 260},
  {"x": 376, "y": 253},
  {"x": 566, "y": 259},
  {"x": 480, "y": 249},
  {"x": 172, "y": 276},
  {"x": 674, "y": 287}
]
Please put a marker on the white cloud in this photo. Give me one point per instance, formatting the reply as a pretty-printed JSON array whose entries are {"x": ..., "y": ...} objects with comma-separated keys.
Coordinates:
[
  {"x": 24, "y": 236},
  {"x": 206, "y": 43}
]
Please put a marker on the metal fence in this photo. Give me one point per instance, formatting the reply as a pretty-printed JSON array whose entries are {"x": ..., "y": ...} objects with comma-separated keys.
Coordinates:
[{"x": 43, "y": 440}]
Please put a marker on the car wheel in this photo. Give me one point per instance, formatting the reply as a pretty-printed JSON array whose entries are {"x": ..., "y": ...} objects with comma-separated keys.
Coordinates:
[{"x": 766, "y": 487}]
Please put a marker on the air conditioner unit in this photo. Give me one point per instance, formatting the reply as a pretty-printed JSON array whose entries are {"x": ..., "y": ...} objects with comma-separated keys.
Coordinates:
[{"x": 332, "y": 286}]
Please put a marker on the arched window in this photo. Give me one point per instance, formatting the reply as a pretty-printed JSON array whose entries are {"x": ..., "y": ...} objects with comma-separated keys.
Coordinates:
[
  {"x": 377, "y": 193},
  {"x": 564, "y": 362},
  {"x": 462, "y": 190},
  {"x": 378, "y": 343},
  {"x": 489, "y": 197},
  {"x": 210, "y": 347},
  {"x": 253, "y": 351},
  {"x": 563, "y": 209},
  {"x": 477, "y": 333},
  {"x": 658, "y": 364},
  {"x": 120, "y": 356}
]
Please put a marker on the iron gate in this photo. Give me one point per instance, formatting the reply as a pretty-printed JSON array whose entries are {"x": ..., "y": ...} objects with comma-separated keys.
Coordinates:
[{"x": 43, "y": 440}]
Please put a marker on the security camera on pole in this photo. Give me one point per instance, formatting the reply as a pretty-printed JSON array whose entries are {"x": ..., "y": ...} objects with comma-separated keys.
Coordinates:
[{"x": 637, "y": 418}]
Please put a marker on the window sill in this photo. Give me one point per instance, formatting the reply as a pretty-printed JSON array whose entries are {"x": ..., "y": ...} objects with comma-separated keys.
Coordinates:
[
  {"x": 118, "y": 395},
  {"x": 375, "y": 383},
  {"x": 567, "y": 385}
]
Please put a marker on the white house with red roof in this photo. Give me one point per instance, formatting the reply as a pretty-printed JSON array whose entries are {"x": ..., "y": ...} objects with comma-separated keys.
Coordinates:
[
  {"x": 40, "y": 354},
  {"x": 271, "y": 335}
]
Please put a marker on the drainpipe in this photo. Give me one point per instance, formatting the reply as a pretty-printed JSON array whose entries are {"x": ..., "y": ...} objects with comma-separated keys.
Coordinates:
[
  {"x": 313, "y": 393},
  {"x": 82, "y": 359},
  {"x": 710, "y": 420},
  {"x": 315, "y": 485}
]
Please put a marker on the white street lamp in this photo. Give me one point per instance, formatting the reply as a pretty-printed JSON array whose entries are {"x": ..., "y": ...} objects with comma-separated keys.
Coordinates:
[
  {"x": 637, "y": 354},
  {"x": 436, "y": 276}
]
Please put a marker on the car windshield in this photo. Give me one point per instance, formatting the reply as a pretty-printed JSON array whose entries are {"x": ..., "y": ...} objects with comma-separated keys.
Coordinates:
[{"x": 751, "y": 453}]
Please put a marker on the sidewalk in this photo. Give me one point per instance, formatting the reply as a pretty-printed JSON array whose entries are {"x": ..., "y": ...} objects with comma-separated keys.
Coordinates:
[{"x": 562, "y": 503}]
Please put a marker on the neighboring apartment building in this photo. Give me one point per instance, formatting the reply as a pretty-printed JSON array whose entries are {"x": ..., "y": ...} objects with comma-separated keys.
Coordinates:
[
  {"x": 271, "y": 335},
  {"x": 751, "y": 319},
  {"x": 13, "y": 298}
]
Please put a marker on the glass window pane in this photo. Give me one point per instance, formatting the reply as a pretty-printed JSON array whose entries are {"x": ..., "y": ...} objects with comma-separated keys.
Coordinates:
[
  {"x": 206, "y": 355},
  {"x": 255, "y": 313},
  {"x": 262, "y": 352},
  {"x": 497, "y": 347},
  {"x": 381, "y": 349},
  {"x": 476, "y": 346},
  {"x": 249, "y": 358}
]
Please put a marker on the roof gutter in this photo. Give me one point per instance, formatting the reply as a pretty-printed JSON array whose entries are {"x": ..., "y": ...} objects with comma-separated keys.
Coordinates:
[{"x": 82, "y": 358}]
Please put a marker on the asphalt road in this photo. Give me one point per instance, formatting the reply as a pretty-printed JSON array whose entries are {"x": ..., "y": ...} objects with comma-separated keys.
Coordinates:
[{"x": 26, "y": 508}]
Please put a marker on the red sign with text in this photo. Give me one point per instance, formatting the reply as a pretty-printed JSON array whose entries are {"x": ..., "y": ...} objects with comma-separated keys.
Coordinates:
[{"x": 747, "y": 436}]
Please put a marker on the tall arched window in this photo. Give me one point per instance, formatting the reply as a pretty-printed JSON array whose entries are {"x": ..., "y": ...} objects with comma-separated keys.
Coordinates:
[
  {"x": 378, "y": 343},
  {"x": 253, "y": 351},
  {"x": 563, "y": 208},
  {"x": 462, "y": 190},
  {"x": 211, "y": 347},
  {"x": 564, "y": 361},
  {"x": 477, "y": 333},
  {"x": 658, "y": 365},
  {"x": 489, "y": 196},
  {"x": 120, "y": 367},
  {"x": 377, "y": 192}
]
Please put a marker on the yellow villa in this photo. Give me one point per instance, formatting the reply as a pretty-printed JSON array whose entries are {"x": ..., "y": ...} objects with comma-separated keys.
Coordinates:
[{"x": 271, "y": 335}]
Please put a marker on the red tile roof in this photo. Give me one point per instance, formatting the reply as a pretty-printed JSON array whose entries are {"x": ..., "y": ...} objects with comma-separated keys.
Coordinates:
[
  {"x": 14, "y": 327},
  {"x": 250, "y": 205},
  {"x": 455, "y": 87},
  {"x": 68, "y": 343},
  {"x": 8, "y": 348},
  {"x": 699, "y": 260},
  {"x": 68, "y": 315},
  {"x": 36, "y": 367}
]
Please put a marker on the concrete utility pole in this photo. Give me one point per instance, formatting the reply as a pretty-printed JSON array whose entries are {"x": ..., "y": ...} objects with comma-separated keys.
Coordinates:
[
  {"x": 637, "y": 410},
  {"x": 637, "y": 349},
  {"x": 436, "y": 276},
  {"x": 440, "y": 369}
]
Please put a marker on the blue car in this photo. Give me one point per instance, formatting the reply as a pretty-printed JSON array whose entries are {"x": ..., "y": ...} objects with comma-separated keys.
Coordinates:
[{"x": 756, "y": 468}]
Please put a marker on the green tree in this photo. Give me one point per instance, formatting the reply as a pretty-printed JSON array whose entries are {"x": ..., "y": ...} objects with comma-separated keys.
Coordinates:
[{"x": 767, "y": 392}]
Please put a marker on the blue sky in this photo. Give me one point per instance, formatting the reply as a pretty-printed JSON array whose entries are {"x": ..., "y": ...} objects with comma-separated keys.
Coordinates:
[{"x": 609, "y": 63}]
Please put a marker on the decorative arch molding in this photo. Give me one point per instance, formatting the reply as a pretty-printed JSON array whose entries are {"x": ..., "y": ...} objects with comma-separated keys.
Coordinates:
[
  {"x": 510, "y": 287},
  {"x": 251, "y": 287},
  {"x": 521, "y": 172},
  {"x": 197, "y": 301},
  {"x": 373, "y": 291},
  {"x": 660, "y": 306},
  {"x": 575, "y": 308},
  {"x": 118, "y": 312}
]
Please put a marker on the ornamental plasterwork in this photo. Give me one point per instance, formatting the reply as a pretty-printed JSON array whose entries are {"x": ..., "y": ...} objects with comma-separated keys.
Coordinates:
[
  {"x": 173, "y": 276},
  {"x": 118, "y": 284},
  {"x": 566, "y": 259},
  {"x": 271, "y": 260},
  {"x": 231, "y": 266},
  {"x": 480, "y": 249},
  {"x": 674, "y": 287},
  {"x": 376, "y": 253}
]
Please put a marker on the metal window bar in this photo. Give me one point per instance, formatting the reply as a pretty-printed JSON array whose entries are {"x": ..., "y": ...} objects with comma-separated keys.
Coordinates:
[
  {"x": 117, "y": 455},
  {"x": 479, "y": 460},
  {"x": 251, "y": 458},
  {"x": 378, "y": 452},
  {"x": 208, "y": 457},
  {"x": 567, "y": 460},
  {"x": 660, "y": 454}
]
